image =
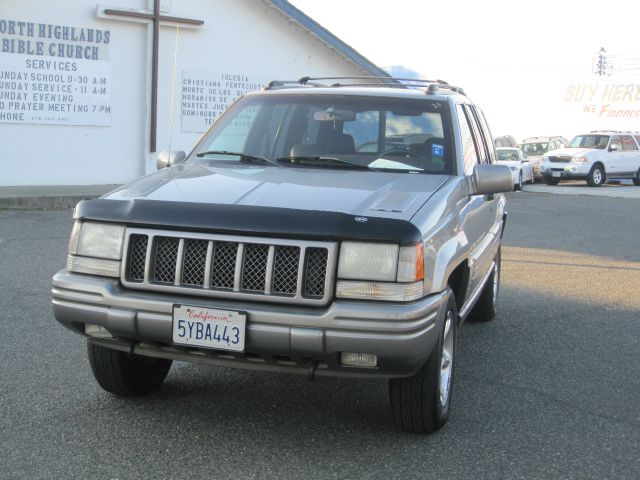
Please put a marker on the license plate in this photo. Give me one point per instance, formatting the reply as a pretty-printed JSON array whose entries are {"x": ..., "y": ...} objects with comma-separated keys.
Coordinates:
[
  {"x": 555, "y": 174},
  {"x": 209, "y": 327}
]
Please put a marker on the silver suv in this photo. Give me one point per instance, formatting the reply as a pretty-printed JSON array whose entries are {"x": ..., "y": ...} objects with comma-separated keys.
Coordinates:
[{"x": 316, "y": 228}]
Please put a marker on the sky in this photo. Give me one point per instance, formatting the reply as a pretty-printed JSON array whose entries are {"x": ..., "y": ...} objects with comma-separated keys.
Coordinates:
[{"x": 529, "y": 65}]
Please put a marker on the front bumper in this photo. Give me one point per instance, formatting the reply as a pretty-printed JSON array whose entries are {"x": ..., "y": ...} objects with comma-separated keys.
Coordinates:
[
  {"x": 566, "y": 170},
  {"x": 278, "y": 337}
]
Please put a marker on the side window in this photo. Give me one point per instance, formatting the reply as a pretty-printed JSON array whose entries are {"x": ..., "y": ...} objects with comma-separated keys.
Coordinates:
[
  {"x": 484, "y": 128},
  {"x": 483, "y": 150},
  {"x": 469, "y": 153},
  {"x": 628, "y": 143}
]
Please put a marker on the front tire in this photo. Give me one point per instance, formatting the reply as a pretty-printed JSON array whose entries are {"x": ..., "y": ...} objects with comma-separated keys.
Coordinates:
[
  {"x": 518, "y": 186},
  {"x": 596, "y": 176},
  {"x": 421, "y": 403},
  {"x": 117, "y": 373},
  {"x": 485, "y": 308},
  {"x": 636, "y": 180}
]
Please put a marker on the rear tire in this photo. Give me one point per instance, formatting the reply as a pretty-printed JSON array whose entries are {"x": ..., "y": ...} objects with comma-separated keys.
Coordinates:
[
  {"x": 485, "y": 308},
  {"x": 596, "y": 176},
  {"x": 636, "y": 180},
  {"x": 421, "y": 403},
  {"x": 117, "y": 373},
  {"x": 550, "y": 180}
]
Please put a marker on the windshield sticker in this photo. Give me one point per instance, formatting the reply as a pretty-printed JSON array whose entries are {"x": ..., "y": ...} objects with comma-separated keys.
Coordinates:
[{"x": 437, "y": 150}]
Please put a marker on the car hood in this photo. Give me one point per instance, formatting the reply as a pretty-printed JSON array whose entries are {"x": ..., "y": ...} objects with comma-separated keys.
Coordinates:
[{"x": 381, "y": 194}]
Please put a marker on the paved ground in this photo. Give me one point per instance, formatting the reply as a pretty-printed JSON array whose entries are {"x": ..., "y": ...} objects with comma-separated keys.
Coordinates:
[
  {"x": 49, "y": 196},
  {"x": 622, "y": 189},
  {"x": 549, "y": 389}
]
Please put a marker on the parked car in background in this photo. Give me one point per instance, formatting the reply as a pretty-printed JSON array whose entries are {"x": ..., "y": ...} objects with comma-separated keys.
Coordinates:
[
  {"x": 535, "y": 147},
  {"x": 505, "y": 141},
  {"x": 595, "y": 157},
  {"x": 521, "y": 168}
]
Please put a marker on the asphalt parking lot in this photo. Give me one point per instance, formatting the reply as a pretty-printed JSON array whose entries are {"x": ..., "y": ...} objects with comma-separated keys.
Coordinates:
[{"x": 549, "y": 390}]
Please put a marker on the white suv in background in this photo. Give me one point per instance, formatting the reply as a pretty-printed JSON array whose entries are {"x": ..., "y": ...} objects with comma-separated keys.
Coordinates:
[{"x": 595, "y": 157}]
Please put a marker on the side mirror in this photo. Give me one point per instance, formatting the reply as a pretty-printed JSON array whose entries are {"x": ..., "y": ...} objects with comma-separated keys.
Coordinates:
[
  {"x": 167, "y": 158},
  {"x": 489, "y": 179},
  {"x": 614, "y": 147}
]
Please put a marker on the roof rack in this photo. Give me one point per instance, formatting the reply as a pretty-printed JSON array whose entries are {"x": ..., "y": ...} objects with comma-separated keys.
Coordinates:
[{"x": 432, "y": 86}]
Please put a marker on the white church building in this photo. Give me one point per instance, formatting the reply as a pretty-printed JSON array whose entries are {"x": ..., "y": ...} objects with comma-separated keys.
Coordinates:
[{"x": 90, "y": 93}]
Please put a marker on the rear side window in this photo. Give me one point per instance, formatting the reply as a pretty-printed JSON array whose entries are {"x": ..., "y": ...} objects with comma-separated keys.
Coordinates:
[
  {"x": 481, "y": 145},
  {"x": 628, "y": 143},
  {"x": 469, "y": 152},
  {"x": 484, "y": 128}
]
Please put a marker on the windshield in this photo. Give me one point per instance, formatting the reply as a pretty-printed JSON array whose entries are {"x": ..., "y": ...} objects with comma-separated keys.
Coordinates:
[
  {"x": 537, "y": 148},
  {"x": 334, "y": 131},
  {"x": 507, "y": 155},
  {"x": 590, "y": 141}
]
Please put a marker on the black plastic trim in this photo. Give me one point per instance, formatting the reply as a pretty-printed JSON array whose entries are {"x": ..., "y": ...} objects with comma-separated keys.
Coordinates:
[{"x": 248, "y": 220}]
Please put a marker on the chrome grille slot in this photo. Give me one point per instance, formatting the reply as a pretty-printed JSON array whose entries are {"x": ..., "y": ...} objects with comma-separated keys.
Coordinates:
[
  {"x": 285, "y": 271},
  {"x": 255, "y": 267},
  {"x": 166, "y": 255},
  {"x": 224, "y": 264},
  {"x": 315, "y": 272},
  {"x": 194, "y": 263},
  {"x": 137, "y": 257},
  {"x": 230, "y": 267}
]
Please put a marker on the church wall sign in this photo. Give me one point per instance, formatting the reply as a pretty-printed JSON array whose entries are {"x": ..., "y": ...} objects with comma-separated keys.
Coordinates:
[
  {"x": 54, "y": 74},
  {"x": 205, "y": 95}
]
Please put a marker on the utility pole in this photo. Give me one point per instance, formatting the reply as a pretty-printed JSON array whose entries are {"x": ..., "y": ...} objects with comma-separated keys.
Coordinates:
[{"x": 601, "y": 64}]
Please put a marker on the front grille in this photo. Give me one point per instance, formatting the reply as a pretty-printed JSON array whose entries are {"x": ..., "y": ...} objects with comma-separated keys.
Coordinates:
[
  {"x": 195, "y": 256},
  {"x": 255, "y": 267},
  {"x": 560, "y": 159},
  {"x": 229, "y": 267},
  {"x": 285, "y": 270},
  {"x": 137, "y": 256},
  {"x": 316, "y": 265},
  {"x": 224, "y": 264},
  {"x": 166, "y": 254}
]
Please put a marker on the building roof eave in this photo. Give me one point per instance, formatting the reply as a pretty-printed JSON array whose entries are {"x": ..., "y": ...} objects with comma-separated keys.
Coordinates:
[{"x": 327, "y": 37}]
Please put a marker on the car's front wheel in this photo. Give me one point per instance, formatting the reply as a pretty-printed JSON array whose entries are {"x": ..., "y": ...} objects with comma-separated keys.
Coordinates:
[
  {"x": 636, "y": 180},
  {"x": 518, "y": 186},
  {"x": 421, "y": 403},
  {"x": 596, "y": 176},
  {"x": 125, "y": 375}
]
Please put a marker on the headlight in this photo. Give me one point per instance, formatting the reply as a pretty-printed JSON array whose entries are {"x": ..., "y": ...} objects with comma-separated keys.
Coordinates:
[
  {"x": 96, "y": 248},
  {"x": 368, "y": 261},
  {"x": 513, "y": 169},
  {"x": 375, "y": 271},
  {"x": 580, "y": 160}
]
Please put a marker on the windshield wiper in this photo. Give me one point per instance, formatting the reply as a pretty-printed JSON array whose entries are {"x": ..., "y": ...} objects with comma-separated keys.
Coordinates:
[
  {"x": 244, "y": 157},
  {"x": 319, "y": 161}
]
